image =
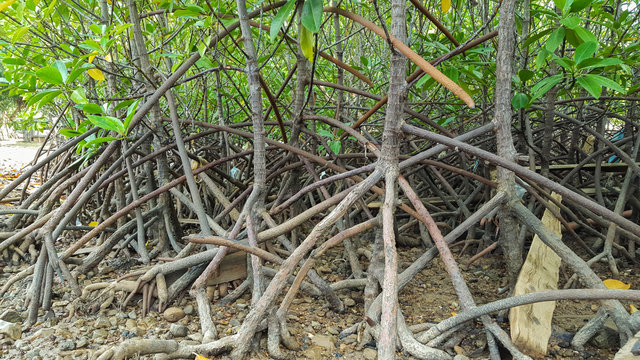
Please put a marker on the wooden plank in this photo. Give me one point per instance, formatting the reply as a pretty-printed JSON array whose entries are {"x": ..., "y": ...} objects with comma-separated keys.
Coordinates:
[
  {"x": 233, "y": 267},
  {"x": 531, "y": 324}
]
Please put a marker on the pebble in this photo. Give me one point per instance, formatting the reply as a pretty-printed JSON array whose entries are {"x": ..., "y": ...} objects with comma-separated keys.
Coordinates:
[
  {"x": 33, "y": 353},
  {"x": 195, "y": 337},
  {"x": 234, "y": 322},
  {"x": 132, "y": 314},
  {"x": 333, "y": 330},
  {"x": 178, "y": 330},
  {"x": 100, "y": 333},
  {"x": 460, "y": 357},
  {"x": 102, "y": 322},
  {"x": 349, "y": 302},
  {"x": 22, "y": 345},
  {"x": 173, "y": 314},
  {"x": 67, "y": 345},
  {"x": 324, "y": 341},
  {"x": 11, "y": 316},
  {"x": 130, "y": 324},
  {"x": 188, "y": 310},
  {"x": 370, "y": 354},
  {"x": 10, "y": 329},
  {"x": 82, "y": 342}
]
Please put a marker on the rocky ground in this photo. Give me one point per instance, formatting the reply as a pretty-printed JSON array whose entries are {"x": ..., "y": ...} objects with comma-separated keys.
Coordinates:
[{"x": 75, "y": 329}]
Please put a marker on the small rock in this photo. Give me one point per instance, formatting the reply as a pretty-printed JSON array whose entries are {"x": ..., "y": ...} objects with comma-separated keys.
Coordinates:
[
  {"x": 333, "y": 330},
  {"x": 327, "y": 342},
  {"x": 349, "y": 302},
  {"x": 370, "y": 354},
  {"x": 173, "y": 314},
  {"x": 137, "y": 331},
  {"x": 130, "y": 324},
  {"x": 460, "y": 357},
  {"x": 606, "y": 338},
  {"x": 22, "y": 345},
  {"x": 241, "y": 306},
  {"x": 11, "y": 316},
  {"x": 459, "y": 350},
  {"x": 234, "y": 322},
  {"x": 42, "y": 333},
  {"x": 195, "y": 337},
  {"x": 82, "y": 342},
  {"x": 324, "y": 269},
  {"x": 10, "y": 329},
  {"x": 315, "y": 324},
  {"x": 67, "y": 345},
  {"x": 100, "y": 333},
  {"x": 33, "y": 353},
  {"x": 188, "y": 310},
  {"x": 101, "y": 323},
  {"x": 178, "y": 330},
  {"x": 350, "y": 339},
  {"x": 132, "y": 314}
]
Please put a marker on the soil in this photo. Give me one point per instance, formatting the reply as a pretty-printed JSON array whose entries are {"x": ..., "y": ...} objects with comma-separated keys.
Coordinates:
[{"x": 75, "y": 329}]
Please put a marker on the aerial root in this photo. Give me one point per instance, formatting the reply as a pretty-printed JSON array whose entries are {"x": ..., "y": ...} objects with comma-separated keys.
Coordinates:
[{"x": 131, "y": 348}]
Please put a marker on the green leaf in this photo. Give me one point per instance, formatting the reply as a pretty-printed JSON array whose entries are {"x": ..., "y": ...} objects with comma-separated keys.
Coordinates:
[
  {"x": 108, "y": 123},
  {"x": 92, "y": 108},
  {"x": 520, "y": 101},
  {"x": 604, "y": 81},
  {"x": 50, "y": 74},
  {"x": 570, "y": 22},
  {"x": 578, "y": 5},
  {"x": 18, "y": 34},
  {"x": 596, "y": 63},
  {"x": 306, "y": 43},
  {"x": 559, "y": 3},
  {"x": 280, "y": 17},
  {"x": 130, "y": 112},
  {"x": 62, "y": 68},
  {"x": 585, "y": 34},
  {"x": 39, "y": 96},
  {"x": 14, "y": 61},
  {"x": 78, "y": 70},
  {"x": 335, "y": 146},
  {"x": 324, "y": 132},
  {"x": 555, "y": 39},
  {"x": 122, "y": 105},
  {"x": 97, "y": 141},
  {"x": 311, "y": 16},
  {"x": 545, "y": 85},
  {"x": 591, "y": 85},
  {"x": 70, "y": 132},
  {"x": 79, "y": 96},
  {"x": 452, "y": 73},
  {"x": 525, "y": 75},
  {"x": 585, "y": 51}
]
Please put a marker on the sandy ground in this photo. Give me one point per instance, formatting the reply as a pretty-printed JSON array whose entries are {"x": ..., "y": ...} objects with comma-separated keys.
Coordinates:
[{"x": 16, "y": 155}]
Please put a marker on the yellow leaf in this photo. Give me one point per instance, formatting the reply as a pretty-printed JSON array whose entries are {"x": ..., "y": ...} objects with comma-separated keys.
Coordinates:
[
  {"x": 110, "y": 3},
  {"x": 454, "y": 313},
  {"x": 632, "y": 309},
  {"x": 6, "y": 4},
  {"x": 615, "y": 284},
  {"x": 446, "y": 5},
  {"x": 200, "y": 357},
  {"x": 107, "y": 58},
  {"x": 93, "y": 224},
  {"x": 96, "y": 74},
  {"x": 92, "y": 56},
  {"x": 306, "y": 43}
]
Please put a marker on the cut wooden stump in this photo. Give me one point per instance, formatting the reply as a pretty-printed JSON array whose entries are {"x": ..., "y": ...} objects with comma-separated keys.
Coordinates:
[
  {"x": 531, "y": 324},
  {"x": 233, "y": 267}
]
